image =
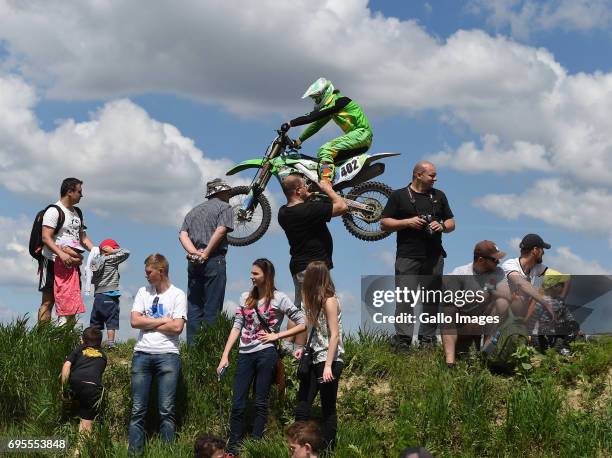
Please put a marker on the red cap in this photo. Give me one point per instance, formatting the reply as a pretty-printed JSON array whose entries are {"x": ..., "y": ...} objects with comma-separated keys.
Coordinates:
[{"x": 109, "y": 242}]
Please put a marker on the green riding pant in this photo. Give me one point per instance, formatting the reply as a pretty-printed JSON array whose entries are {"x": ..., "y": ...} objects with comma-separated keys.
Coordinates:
[{"x": 358, "y": 138}]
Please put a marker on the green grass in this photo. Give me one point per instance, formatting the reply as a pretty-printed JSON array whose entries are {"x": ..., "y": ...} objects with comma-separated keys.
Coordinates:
[{"x": 560, "y": 407}]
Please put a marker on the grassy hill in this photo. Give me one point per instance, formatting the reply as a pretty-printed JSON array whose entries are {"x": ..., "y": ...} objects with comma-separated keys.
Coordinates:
[{"x": 555, "y": 406}]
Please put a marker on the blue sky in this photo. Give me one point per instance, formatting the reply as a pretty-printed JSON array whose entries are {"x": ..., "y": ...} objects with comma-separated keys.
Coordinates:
[{"x": 511, "y": 99}]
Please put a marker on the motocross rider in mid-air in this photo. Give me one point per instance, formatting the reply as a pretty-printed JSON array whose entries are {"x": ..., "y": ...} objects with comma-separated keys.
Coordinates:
[{"x": 331, "y": 104}]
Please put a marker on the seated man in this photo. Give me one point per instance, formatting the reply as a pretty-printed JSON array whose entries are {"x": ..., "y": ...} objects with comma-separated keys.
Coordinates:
[
  {"x": 331, "y": 104},
  {"x": 482, "y": 275},
  {"x": 523, "y": 272}
]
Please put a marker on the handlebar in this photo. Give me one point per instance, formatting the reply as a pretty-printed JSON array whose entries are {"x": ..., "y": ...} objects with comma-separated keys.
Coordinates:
[{"x": 284, "y": 139}]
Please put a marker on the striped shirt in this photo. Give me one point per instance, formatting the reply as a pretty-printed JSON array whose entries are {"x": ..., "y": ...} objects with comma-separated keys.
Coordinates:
[
  {"x": 202, "y": 221},
  {"x": 248, "y": 322}
]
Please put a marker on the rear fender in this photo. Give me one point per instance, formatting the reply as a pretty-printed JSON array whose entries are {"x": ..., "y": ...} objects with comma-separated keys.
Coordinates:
[{"x": 375, "y": 157}]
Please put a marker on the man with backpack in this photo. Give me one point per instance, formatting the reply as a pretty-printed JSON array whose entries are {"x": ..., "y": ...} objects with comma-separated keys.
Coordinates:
[{"x": 59, "y": 222}]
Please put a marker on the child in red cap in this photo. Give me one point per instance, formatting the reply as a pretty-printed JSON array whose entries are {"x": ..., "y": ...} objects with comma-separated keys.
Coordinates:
[{"x": 105, "y": 278}]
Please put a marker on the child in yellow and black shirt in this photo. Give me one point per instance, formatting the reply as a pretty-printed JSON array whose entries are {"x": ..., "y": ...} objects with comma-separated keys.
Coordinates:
[{"x": 83, "y": 369}]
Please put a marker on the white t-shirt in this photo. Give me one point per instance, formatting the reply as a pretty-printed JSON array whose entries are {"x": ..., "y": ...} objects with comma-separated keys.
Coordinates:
[
  {"x": 514, "y": 265},
  {"x": 468, "y": 270},
  {"x": 70, "y": 232},
  {"x": 171, "y": 303}
]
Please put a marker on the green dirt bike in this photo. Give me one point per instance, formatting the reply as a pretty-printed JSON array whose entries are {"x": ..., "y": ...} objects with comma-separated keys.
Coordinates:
[{"x": 366, "y": 199}]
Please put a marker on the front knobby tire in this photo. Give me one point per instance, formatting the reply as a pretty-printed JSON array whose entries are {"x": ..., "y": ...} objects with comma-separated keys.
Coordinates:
[
  {"x": 248, "y": 228},
  {"x": 366, "y": 226}
]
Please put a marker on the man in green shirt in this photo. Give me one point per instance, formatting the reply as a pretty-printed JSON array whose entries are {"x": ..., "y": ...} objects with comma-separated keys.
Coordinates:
[{"x": 331, "y": 104}]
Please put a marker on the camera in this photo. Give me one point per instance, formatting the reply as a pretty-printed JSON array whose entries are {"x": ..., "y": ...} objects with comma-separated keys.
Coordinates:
[{"x": 428, "y": 219}]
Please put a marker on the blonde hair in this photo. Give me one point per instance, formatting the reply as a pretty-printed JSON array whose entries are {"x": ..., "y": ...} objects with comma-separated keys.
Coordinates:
[
  {"x": 157, "y": 261},
  {"x": 316, "y": 289}
]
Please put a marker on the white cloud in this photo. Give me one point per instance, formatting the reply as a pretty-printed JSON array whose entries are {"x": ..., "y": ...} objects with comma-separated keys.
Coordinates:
[
  {"x": 17, "y": 268},
  {"x": 348, "y": 302},
  {"x": 492, "y": 157},
  {"x": 132, "y": 165},
  {"x": 514, "y": 93},
  {"x": 524, "y": 17},
  {"x": 554, "y": 202},
  {"x": 560, "y": 130},
  {"x": 86, "y": 50},
  {"x": 564, "y": 260}
]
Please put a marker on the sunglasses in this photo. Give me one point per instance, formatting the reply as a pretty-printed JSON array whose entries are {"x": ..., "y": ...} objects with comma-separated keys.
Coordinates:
[{"x": 495, "y": 261}]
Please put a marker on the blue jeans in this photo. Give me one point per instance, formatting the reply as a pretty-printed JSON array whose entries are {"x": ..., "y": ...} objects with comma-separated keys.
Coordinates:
[
  {"x": 145, "y": 366},
  {"x": 205, "y": 293},
  {"x": 260, "y": 366}
]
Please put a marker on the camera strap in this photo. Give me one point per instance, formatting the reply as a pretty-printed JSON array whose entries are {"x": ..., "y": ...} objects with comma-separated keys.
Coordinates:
[{"x": 413, "y": 201}]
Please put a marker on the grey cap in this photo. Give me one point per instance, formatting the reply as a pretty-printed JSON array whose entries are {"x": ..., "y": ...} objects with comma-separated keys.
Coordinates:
[{"x": 216, "y": 186}]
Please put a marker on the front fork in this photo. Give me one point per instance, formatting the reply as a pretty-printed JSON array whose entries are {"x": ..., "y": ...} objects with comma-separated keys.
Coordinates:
[{"x": 258, "y": 187}]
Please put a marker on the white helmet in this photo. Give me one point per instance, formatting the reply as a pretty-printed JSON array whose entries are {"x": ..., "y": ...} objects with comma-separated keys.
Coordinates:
[{"x": 319, "y": 91}]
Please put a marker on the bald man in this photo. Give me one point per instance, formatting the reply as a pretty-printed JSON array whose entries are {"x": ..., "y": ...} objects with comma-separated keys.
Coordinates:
[
  {"x": 305, "y": 224},
  {"x": 419, "y": 213}
]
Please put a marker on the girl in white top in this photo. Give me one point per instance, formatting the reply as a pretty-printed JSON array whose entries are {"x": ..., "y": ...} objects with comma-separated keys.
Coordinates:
[{"x": 323, "y": 316}]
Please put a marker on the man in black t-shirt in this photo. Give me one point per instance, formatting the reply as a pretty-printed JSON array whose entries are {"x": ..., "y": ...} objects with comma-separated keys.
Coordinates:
[
  {"x": 305, "y": 224},
  {"x": 420, "y": 214}
]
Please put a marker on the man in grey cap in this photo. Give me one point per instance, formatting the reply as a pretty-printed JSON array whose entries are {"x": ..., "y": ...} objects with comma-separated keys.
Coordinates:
[
  {"x": 523, "y": 272},
  {"x": 203, "y": 235},
  {"x": 484, "y": 275}
]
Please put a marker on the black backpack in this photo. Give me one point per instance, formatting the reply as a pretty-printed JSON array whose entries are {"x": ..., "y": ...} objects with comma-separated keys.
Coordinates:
[{"x": 36, "y": 242}]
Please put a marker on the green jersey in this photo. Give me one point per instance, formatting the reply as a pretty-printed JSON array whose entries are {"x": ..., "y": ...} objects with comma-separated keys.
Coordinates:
[{"x": 345, "y": 112}]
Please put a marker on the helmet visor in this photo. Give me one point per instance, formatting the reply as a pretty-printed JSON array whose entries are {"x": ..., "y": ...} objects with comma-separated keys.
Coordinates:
[{"x": 317, "y": 98}]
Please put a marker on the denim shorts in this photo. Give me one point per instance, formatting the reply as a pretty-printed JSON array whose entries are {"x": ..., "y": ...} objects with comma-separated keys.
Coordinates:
[{"x": 105, "y": 311}]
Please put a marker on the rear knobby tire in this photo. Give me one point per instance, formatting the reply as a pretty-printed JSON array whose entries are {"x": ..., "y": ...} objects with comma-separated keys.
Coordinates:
[
  {"x": 247, "y": 232},
  {"x": 372, "y": 193}
]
